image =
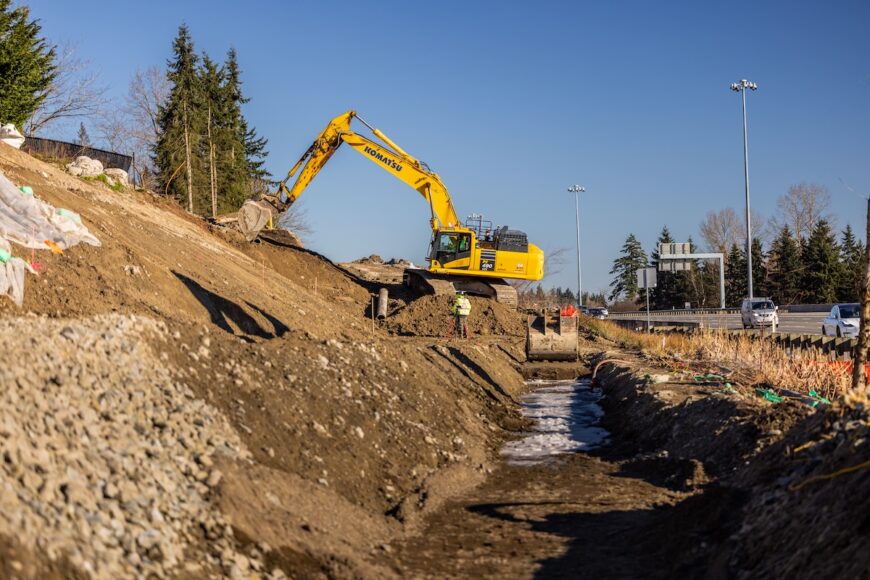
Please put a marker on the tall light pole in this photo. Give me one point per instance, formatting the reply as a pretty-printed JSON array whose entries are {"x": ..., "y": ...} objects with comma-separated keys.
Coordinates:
[
  {"x": 577, "y": 190},
  {"x": 741, "y": 87}
]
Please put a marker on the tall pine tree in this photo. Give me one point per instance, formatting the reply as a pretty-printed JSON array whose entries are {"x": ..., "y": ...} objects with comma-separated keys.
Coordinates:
[
  {"x": 759, "y": 269},
  {"x": 624, "y": 284},
  {"x": 667, "y": 293},
  {"x": 690, "y": 287},
  {"x": 785, "y": 270},
  {"x": 852, "y": 267},
  {"x": 206, "y": 154},
  {"x": 821, "y": 261},
  {"x": 735, "y": 276},
  {"x": 216, "y": 127},
  {"x": 182, "y": 125},
  {"x": 27, "y": 64},
  {"x": 249, "y": 150}
]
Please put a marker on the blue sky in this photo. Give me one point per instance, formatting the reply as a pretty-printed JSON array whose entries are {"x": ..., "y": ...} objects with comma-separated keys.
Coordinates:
[{"x": 512, "y": 102}]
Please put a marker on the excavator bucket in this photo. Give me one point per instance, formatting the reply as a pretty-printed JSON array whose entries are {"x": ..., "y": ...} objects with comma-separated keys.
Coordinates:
[
  {"x": 253, "y": 217},
  {"x": 551, "y": 337}
]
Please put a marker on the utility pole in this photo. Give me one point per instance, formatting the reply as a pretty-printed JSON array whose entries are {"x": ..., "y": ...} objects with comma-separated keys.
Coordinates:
[
  {"x": 862, "y": 353},
  {"x": 741, "y": 87},
  {"x": 577, "y": 190}
]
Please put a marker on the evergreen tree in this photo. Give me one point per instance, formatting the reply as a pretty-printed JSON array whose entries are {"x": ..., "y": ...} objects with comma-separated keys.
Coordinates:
[
  {"x": 83, "y": 138},
  {"x": 216, "y": 131},
  {"x": 27, "y": 64},
  {"x": 252, "y": 149},
  {"x": 625, "y": 267},
  {"x": 708, "y": 272},
  {"x": 667, "y": 293},
  {"x": 735, "y": 276},
  {"x": 821, "y": 265},
  {"x": 206, "y": 154},
  {"x": 689, "y": 288},
  {"x": 181, "y": 125},
  {"x": 785, "y": 268},
  {"x": 852, "y": 267},
  {"x": 759, "y": 269}
]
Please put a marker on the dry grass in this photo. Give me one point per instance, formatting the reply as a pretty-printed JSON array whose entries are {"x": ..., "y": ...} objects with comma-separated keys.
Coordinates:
[{"x": 748, "y": 362}]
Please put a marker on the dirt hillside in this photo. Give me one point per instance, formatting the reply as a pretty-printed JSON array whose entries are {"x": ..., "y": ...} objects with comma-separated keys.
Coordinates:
[{"x": 344, "y": 436}]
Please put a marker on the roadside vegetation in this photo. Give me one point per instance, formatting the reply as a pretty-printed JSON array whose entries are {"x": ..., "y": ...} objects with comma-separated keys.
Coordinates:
[
  {"x": 743, "y": 362},
  {"x": 797, "y": 257}
]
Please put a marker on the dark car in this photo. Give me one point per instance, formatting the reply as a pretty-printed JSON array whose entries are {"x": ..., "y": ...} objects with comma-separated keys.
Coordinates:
[{"x": 601, "y": 313}]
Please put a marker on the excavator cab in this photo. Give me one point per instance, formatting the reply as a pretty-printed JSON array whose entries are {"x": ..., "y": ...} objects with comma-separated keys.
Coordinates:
[{"x": 450, "y": 246}]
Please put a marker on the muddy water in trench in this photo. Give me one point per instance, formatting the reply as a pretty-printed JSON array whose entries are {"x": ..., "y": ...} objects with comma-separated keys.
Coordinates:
[
  {"x": 566, "y": 415},
  {"x": 558, "y": 506}
]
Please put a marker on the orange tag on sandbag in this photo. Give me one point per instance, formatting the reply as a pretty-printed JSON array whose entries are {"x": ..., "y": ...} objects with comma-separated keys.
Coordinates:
[{"x": 52, "y": 246}]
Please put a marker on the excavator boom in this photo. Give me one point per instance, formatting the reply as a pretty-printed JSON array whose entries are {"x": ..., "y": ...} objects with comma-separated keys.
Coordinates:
[
  {"x": 392, "y": 158},
  {"x": 472, "y": 257}
]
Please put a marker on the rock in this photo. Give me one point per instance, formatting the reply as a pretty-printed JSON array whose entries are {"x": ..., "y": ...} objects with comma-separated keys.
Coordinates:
[
  {"x": 109, "y": 473},
  {"x": 11, "y": 136},
  {"x": 214, "y": 478},
  {"x": 84, "y": 166},
  {"x": 116, "y": 175}
]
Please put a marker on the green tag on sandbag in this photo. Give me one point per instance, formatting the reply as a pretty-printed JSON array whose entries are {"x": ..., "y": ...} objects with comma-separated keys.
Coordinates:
[
  {"x": 26, "y": 190},
  {"x": 4, "y": 256}
]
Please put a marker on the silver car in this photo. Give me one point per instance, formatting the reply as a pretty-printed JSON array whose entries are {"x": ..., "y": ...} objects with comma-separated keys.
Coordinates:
[
  {"x": 844, "y": 320},
  {"x": 757, "y": 312}
]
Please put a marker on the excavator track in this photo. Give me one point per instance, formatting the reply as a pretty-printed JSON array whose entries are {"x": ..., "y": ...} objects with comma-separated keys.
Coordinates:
[{"x": 428, "y": 283}]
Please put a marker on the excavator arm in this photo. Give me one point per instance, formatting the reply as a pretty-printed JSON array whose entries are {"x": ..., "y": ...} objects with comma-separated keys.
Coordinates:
[{"x": 390, "y": 157}]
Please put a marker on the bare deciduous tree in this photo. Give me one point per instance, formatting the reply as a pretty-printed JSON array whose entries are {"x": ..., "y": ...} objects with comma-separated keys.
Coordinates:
[
  {"x": 721, "y": 229},
  {"x": 132, "y": 129},
  {"x": 75, "y": 93},
  {"x": 802, "y": 207}
]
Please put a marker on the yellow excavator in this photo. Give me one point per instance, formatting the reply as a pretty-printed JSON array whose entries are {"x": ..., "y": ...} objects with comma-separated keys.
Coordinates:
[{"x": 472, "y": 257}]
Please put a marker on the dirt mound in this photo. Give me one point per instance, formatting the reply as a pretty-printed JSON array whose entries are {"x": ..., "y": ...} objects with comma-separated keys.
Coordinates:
[
  {"x": 276, "y": 343},
  {"x": 430, "y": 316},
  {"x": 808, "y": 513},
  {"x": 781, "y": 490}
]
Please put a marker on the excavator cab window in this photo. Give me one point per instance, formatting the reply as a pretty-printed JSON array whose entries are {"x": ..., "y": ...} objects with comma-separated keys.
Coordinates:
[{"x": 452, "y": 246}]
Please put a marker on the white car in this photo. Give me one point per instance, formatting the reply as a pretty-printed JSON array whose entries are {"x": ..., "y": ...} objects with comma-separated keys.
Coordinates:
[
  {"x": 757, "y": 312},
  {"x": 844, "y": 320}
]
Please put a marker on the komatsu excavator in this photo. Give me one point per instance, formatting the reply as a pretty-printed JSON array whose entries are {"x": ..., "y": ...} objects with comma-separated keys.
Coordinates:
[{"x": 472, "y": 257}]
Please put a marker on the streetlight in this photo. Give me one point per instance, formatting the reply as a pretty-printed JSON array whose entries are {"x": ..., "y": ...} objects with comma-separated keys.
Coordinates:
[
  {"x": 741, "y": 87},
  {"x": 577, "y": 190}
]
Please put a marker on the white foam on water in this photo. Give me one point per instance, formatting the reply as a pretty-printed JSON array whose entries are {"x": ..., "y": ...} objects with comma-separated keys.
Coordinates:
[{"x": 566, "y": 415}]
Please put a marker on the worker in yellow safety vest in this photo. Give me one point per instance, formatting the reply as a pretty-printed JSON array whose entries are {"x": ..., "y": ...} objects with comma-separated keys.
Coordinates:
[{"x": 461, "y": 309}]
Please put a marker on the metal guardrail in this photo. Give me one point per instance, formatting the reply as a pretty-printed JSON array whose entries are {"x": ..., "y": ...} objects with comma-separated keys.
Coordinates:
[
  {"x": 676, "y": 312},
  {"x": 793, "y": 308}
]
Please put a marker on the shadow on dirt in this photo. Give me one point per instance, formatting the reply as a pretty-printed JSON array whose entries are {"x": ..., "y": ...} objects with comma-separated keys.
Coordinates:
[
  {"x": 226, "y": 314},
  {"x": 476, "y": 369},
  {"x": 666, "y": 541}
]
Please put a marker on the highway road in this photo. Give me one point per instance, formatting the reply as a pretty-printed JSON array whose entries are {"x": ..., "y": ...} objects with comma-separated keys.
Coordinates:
[{"x": 789, "y": 322}]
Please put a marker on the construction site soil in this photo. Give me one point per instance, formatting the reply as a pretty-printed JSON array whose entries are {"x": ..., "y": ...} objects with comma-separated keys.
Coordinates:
[{"x": 181, "y": 403}]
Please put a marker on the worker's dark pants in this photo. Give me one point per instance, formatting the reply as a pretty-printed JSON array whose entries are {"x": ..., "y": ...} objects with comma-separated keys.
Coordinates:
[{"x": 461, "y": 326}]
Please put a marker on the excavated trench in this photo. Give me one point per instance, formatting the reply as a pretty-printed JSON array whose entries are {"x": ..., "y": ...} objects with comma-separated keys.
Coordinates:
[{"x": 563, "y": 503}]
